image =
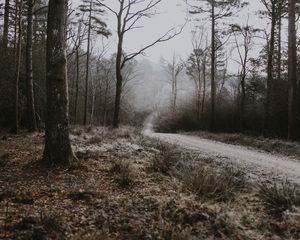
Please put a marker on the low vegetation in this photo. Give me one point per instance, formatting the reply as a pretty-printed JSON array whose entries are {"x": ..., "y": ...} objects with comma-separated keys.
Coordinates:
[
  {"x": 127, "y": 186},
  {"x": 279, "y": 199}
]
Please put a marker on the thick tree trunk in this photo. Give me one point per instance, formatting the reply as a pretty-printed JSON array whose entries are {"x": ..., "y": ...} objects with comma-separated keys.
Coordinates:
[
  {"x": 213, "y": 60},
  {"x": 18, "y": 49},
  {"x": 270, "y": 78},
  {"x": 31, "y": 119},
  {"x": 87, "y": 67},
  {"x": 6, "y": 24},
  {"x": 57, "y": 146},
  {"x": 292, "y": 71}
]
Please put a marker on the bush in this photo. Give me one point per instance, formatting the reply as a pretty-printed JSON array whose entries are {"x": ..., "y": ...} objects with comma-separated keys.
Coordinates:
[
  {"x": 172, "y": 122},
  {"x": 278, "y": 198}
]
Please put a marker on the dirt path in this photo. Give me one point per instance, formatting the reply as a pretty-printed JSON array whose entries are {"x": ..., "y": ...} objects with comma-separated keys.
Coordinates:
[{"x": 257, "y": 164}]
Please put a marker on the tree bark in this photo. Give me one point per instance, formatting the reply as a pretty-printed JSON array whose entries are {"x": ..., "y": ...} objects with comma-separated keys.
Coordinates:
[
  {"x": 292, "y": 71},
  {"x": 31, "y": 121},
  {"x": 57, "y": 145}
]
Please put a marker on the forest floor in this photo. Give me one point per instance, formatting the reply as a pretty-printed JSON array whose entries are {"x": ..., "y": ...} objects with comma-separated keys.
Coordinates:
[{"x": 128, "y": 186}]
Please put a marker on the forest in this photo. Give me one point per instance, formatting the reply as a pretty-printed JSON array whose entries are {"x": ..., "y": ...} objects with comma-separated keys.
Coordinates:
[{"x": 109, "y": 125}]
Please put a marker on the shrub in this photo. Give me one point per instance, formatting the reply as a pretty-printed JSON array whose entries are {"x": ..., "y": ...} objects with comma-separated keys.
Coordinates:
[{"x": 278, "y": 198}]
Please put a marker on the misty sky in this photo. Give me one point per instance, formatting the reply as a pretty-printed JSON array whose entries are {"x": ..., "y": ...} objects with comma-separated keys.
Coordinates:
[{"x": 172, "y": 13}]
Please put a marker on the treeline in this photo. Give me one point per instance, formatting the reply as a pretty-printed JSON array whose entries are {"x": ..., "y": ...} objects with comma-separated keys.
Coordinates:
[
  {"x": 91, "y": 71},
  {"x": 258, "y": 98}
]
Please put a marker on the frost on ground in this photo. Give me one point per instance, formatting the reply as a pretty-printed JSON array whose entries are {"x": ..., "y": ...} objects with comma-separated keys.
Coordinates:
[
  {"x": 127, "y": 186},
  {"x": 256, "y": 163}
]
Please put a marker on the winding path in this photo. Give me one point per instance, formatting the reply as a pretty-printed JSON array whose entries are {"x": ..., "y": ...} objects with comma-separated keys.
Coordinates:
[{"x": 256, "y": 163}]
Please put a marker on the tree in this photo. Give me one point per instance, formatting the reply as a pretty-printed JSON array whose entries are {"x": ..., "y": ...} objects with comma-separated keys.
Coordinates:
[
  {"x": 31, "y": 118},
  {"x": 274, "y": 13},
  {"x": 246, "y": 33},
  {"x": 6, "y": 24},
  {"x": 196, "y": 69},
  {"x": 94, "y": 23},
  {"x": 173, "y": 70},
  {"x": 217, "y": 9},
  {"x": 128, "y": 15},
  {"x": 57, "y": 143},
  {"x": 292, "y": 71},
  {"x": 18, "y": 56}
]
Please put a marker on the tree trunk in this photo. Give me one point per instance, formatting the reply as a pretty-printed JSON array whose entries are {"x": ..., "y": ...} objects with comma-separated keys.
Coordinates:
[
  {"x": 87, "y": 67},
  {"x": 213, "y": 60},
  {"x": 31, "y": 121},
  {"x": 118, "y": 90},
  {"x": 269, "y": 97},
  {"x": 292, "y": 71},
  {"x": 204, "y": 88},
  {"x": 6, "y": 25},
  {"x": 279, "y": 46},
  {"x": 19, "y": 6},
  {"x": 77, "y": 85},
  {"x": 57, "y": 143},
  {"x": 119, "y": 77}
]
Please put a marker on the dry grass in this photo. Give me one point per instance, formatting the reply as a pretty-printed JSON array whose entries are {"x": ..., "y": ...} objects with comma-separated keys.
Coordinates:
[
  {"x": 165, "y": 159},
  {"x": 266, "y": 144},
  {"x": 279, "y": 198},
  {"x": 211, "y": 184},
  {"x": 124, "y": 172}
]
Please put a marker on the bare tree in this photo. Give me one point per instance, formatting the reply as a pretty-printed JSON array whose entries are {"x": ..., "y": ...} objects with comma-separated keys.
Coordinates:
[
  {"x": 57, "y": 143},
  {"x": 273, "y": 9},
  {"x": 94, "y": 24},
  {"x": 128, "y": 16},
  {"x": 174, "y": 69},
  {"x": 243, "y": 49},
  {"x": 196, "y": 69},
  {"x": 218, "y": 10}
]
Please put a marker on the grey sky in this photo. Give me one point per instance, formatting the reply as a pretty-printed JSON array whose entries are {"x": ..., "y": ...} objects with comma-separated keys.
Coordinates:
[{"x": 173, "y": 13}]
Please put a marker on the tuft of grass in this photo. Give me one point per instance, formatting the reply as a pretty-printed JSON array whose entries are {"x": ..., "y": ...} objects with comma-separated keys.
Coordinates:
[
  {"x": 124, "y": 171},
  {"x": 165, "y": 159},
  {"x": 279, "y": 198},
  {"x": 214, "y": 185}
]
